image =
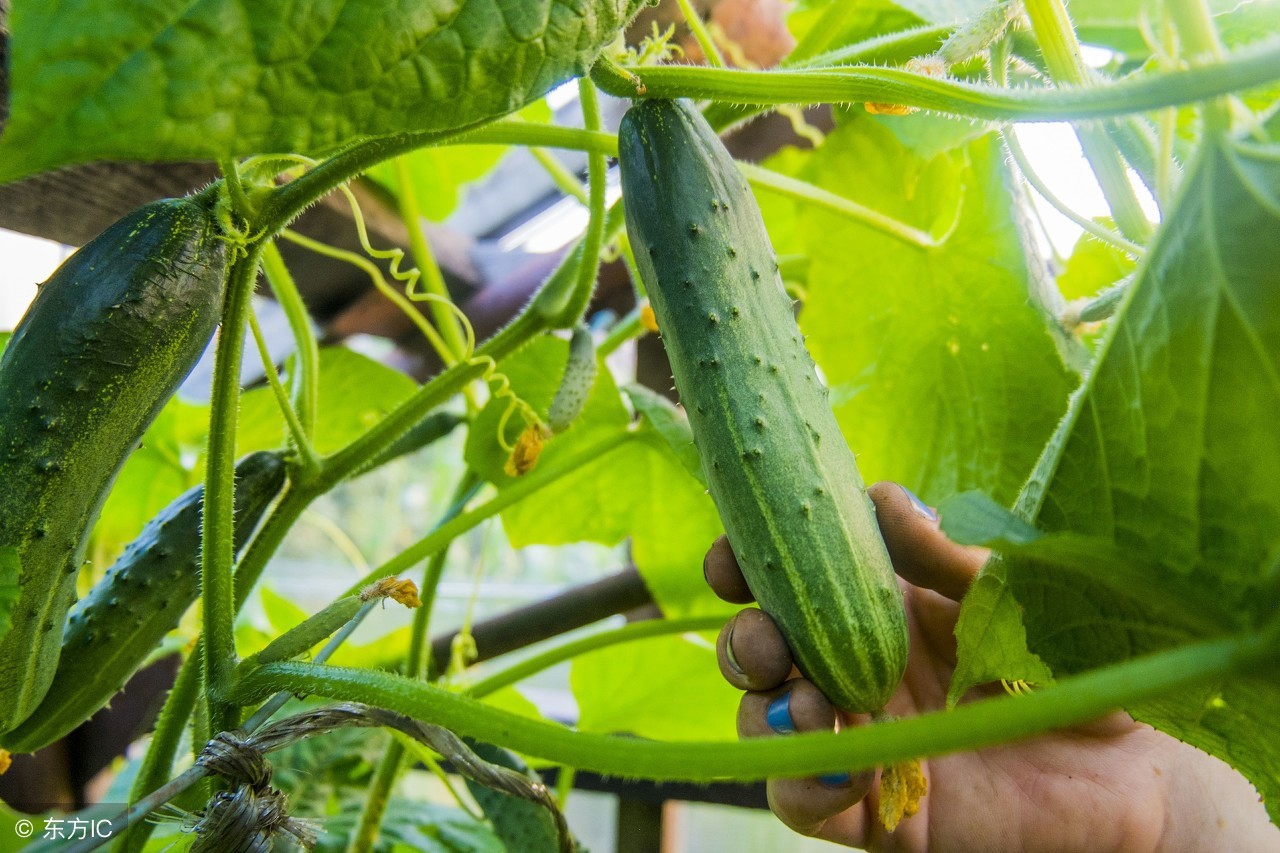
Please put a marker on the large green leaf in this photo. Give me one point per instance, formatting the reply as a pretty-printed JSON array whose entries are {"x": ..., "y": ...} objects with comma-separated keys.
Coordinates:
[
  {"x": 942, "y": 375},
  {"x": 200, "y": 79},
  {"x": 438, "y": 175},
  {"x": 668, "y": 688},
  {"x": 1169, "y": 454}
]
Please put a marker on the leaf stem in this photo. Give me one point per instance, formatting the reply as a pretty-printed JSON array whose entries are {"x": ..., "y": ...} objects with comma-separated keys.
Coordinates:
[
  {"x": 157, "y": 764},
  {"x": 1061, "y": 49},
  {"x": 985, "y": 722},
  {"x": 306, "y": 375},
  {"x": 593, "y": 642},
  {"x": 296, "y": 432},
  {"x": 545, "y": 474},
  {"x": 1104, "y": 234},
  {"x": 694, "y": 21},
  {"x": 803, "y": 191}
]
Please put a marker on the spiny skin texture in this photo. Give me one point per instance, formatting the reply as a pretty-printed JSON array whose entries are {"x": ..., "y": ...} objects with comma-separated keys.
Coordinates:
[
  {"x": 139, "y": 600},
  {"x": 783, "y": 479},
  {"x": 106, "y": 342},
  {"x": 575, "y": 387}
]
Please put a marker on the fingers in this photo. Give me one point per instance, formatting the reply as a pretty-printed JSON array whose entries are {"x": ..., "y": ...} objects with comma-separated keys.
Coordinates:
[
  {"x": 752, "y": 653},
  {"x": 720, "y": 568},
  {"x": 805, "y": 805},
  {"x": 921, "y": 554}
]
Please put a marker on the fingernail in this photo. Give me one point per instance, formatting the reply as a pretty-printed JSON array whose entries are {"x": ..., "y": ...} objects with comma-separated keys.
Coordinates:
[
  {"x": 922, "y": 509},
  {"x": 728, "y": 648},
  {"x": 778, "y": 715},
  {"x": 835, "y": 780}
]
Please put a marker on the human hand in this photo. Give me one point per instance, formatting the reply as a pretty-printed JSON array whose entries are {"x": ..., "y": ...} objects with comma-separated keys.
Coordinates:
[{"x": 1112, "y": 784}]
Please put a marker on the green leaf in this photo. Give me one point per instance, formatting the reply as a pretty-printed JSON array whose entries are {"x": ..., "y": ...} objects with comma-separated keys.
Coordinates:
[
  {"x": 10, "y": 572},
  {"x": 439, "y": 174},
  {"x": 534, "y": 375},
  {"x": 176, "y": 79},
  {"x": 942, "y": 375},
  {"x": 972, "y": 518},
  {"x": 993, "y": 640},
  {"x": 356, "y": 393},
  {"x": 161, "y": 468},
  {"x": 667, "y": 688},
  {"x": 1093, "y": 266},
  {"x": 671, "y": 425},
  {"x": 1168, "y": 456}
]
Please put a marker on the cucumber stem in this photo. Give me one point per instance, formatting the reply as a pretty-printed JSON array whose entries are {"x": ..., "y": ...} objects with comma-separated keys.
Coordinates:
[
  {"x": 987, "y": 722},
  {"x": 1241, "y": 69},
  {"x": 217, "y": 540}
]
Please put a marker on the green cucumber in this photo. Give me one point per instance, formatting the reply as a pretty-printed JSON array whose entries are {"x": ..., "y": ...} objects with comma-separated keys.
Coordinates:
[
  {"x": 106, "y": 342},
  {"x": 783, "y": 479},
  {"x": 141, "y": 598},
  {"x": 575, "y": 385}
]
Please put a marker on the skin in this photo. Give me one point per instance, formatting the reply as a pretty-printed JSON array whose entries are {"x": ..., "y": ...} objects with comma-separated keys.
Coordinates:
[{"x": 1113, "y": 784}]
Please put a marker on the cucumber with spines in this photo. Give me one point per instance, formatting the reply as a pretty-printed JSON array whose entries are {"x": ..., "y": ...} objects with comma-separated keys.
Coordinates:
[
  {"x": 575, "y": 385},
  {"x": 107, "y": 341},
  {"x": 780, "y": 473},
  {"x": 141, "y": 598}
]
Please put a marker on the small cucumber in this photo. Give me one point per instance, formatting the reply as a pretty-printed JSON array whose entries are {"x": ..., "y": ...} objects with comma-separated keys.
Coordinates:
[
  {"x": 106, "y": 342},
  {"x": 783, "y": 479},
  {"x": 575, "y": 386},
  {"x": 140, "y": 599}
]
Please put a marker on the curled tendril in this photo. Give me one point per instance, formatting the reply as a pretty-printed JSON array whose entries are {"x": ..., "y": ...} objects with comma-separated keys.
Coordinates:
[{"x": 499, "y": 384}]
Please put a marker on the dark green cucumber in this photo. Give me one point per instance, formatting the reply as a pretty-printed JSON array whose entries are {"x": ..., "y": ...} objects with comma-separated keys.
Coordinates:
[
  {"x": 783, "y": 479},
  {"x": 106, "y": 342},
  {"x": 140, "y": 599}
]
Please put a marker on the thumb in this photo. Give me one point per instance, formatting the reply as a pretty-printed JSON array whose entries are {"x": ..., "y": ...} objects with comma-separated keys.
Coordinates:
[{"x": 921, "y": 554}]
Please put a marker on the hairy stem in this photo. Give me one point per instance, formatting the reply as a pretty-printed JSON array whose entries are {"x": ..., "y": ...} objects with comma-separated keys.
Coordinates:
[
  {"x": 540, "y": 477},
  {"x": 217, "y": 550},
  {"x": 1243, "y": 69},
  {"x": 986, "y": 722},
  {"x": 306, "y": 373},
  {"x": 593, "y": 642}
]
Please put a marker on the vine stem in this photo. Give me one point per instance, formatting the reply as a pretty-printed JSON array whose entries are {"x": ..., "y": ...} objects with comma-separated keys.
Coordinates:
[
  {"x": 1104, "y": 234},
  {"x": 593, "y": 642},
  {"x": 544, "y": 475},
  {"x": 1242, "y": 69},
  {"x": 981, "y": 723},
  {"x": 694, "y": 21},
  {"x": 217, "y": 550},
  {"x": 804, "y": 191},
  {"x": 393, "y": 760},
  {"x": 1057, "y": 37}
]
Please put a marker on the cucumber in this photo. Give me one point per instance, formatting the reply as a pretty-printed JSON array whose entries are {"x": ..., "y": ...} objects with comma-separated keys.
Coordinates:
[
  {"x": 782, "y": 478},
  {"x": 106, "y": 342},
  {"x": 575, "y": 385},
  {"x": 140, "y": 599}
]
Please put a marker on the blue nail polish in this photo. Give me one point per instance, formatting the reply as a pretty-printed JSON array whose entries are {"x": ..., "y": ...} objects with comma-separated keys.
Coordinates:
[
  {"x": 778, "y": 715},
  {"x": 922, "y": 508},
  {"x": 835, "y": 780}
]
